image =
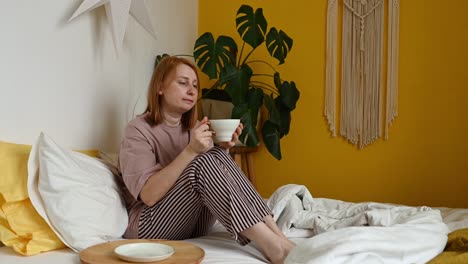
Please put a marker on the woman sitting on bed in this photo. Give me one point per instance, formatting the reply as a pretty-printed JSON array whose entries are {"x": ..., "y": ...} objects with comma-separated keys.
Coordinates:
[{"x": 177, "y": 183}]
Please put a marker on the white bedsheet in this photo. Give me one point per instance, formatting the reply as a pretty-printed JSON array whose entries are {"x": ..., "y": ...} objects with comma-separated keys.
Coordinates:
[
  {"x": 344, "y": 232},
  {"x": 220, "y": 248}
]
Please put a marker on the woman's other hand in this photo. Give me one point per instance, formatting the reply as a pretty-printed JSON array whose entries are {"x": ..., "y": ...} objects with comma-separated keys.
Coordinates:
[
  {"x": 201, "y": 139},
  {"x": 235, "y": 138}
]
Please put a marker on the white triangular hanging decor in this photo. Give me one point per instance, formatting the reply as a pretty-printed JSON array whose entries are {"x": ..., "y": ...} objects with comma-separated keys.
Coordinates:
[{"x": 117, "y": 12}]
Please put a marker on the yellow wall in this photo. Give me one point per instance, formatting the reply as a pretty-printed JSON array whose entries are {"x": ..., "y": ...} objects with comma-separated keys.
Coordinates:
[{"x": 424, "y": 162}]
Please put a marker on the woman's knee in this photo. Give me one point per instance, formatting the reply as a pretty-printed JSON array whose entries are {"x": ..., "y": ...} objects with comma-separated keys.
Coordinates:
[
  {"x": 215, "y": 154},
  {"x": 220, "y": 154},
  {"x": 213, "y": 160}
]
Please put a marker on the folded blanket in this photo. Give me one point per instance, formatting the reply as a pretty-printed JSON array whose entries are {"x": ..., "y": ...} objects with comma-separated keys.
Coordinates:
[{"x": 344, "y": 232}]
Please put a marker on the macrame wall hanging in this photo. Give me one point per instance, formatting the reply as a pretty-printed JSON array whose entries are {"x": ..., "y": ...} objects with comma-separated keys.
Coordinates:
[{"x": 362, "y": 58}]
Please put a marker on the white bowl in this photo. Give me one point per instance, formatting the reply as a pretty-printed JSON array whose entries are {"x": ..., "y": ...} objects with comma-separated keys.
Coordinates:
[
  {"x": 144, "y": 252},
  {"x": 224, "y": 128}
]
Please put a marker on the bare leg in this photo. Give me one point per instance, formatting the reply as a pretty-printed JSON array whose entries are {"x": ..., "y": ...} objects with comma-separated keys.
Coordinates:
[
  {"x": 274, "y": 227},
  {"x": 275, "y": 247}
]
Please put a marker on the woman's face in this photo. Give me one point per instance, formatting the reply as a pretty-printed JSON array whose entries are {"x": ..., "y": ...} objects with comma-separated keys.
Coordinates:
[{"x": 179, "y": 91}]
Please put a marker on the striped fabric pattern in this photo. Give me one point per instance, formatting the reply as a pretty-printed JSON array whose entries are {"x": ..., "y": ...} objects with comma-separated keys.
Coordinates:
[{"x": 211, "y": 187}]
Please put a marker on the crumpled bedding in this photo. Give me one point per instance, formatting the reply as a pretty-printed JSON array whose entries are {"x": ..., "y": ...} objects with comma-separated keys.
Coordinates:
[{"x": 332, "y": 231}]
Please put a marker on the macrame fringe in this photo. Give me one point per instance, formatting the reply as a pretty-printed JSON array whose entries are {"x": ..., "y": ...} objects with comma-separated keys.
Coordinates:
[
  {"x": 362, "y": 86},
  {"x": 330, "y": 79},
  {"x": 361, "y": 68},
  {"x": 392, "y": 67}
]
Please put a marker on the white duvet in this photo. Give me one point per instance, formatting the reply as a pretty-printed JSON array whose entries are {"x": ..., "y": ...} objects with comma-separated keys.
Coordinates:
[{"x": 334, "y": 231}]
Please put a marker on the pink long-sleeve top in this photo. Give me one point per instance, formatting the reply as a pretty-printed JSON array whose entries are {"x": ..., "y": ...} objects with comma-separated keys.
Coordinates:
[{"x": 144, "y": 150}]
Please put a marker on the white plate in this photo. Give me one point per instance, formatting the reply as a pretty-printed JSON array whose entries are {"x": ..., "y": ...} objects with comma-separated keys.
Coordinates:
[{"x": 144, "y": 252}]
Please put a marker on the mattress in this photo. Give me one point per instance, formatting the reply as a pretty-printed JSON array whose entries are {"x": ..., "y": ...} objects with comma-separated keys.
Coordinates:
[{"x": 218, "y": 245}]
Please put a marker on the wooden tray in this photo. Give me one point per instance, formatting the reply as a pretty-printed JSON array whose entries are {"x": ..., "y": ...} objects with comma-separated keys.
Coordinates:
[{"x": 185, "y": 253}]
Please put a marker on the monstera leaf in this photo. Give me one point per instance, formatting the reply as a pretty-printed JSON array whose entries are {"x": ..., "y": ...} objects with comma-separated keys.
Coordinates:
[
  {"x": 249, "y": 134},
  {"x": 271, "y": 137},
  {"x": 251, "y": 26},
  {"x": 211, "y": 55},
  {"x": 237, "y": 81},
  {"x": 285, "y": 117},
  {"x": 274, "y": 115},
  {"x": 278, "y": 44},
  {"x": 255, "y": 101},
  {"x": 289, "y": 94},
  {"x": 248, "y": 112}
]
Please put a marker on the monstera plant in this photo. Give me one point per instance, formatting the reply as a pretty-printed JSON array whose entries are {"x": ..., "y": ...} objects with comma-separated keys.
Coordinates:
[{"x": 249, "y": 88}]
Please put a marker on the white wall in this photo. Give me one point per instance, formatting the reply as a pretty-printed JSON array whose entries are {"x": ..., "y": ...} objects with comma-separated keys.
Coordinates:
[{"x": 65, "y": 78}]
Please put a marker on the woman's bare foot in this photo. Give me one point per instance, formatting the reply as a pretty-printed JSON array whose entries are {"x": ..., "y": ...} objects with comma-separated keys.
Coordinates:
[
  {"x": 277, "y": 255},
  {"x": 275, "y": 247}
]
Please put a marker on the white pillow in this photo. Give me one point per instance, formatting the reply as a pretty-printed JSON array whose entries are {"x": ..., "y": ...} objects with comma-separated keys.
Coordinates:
[{"x": 77, "y": 195}]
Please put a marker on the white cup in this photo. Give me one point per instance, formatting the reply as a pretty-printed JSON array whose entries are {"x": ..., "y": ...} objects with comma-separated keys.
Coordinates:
[{"x": 224, "y": 128}]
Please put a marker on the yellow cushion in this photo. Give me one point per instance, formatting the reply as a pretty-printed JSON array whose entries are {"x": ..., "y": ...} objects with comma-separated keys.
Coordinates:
[
  {"x": 21, "y": 227},
  {"x": 13, "y": 166}
]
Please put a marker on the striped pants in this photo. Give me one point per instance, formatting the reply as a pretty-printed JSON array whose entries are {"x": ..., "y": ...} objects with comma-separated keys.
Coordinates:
[{"x": 211, "y": 187}]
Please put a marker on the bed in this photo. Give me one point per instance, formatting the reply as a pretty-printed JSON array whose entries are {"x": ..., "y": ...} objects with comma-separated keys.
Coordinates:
[
  {"x": 220, "y": 248},
  {"x": 325, "y": 230}
]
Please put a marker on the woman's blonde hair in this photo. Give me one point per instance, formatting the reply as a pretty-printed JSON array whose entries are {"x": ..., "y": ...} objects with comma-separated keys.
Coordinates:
[{"x": 164, "y": 68}]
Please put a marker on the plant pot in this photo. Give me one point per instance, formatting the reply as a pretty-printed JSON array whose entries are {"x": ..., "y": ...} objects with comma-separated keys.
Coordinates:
[
  {"x": 216, "y": 104},
  {"x": 215, "y": 109}
]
